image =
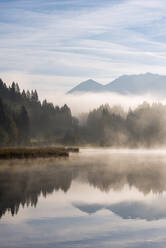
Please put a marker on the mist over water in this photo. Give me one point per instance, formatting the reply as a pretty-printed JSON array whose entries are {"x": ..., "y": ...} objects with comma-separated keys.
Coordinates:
[{"x": 99, "y": 196}]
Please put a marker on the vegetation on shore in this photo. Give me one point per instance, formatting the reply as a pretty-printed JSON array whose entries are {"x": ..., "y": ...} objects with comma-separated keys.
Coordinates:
[
  {"x": 35, "y": 152},
  {"x": 25, "y": 121},
  {"x": 23, "y": 117}
]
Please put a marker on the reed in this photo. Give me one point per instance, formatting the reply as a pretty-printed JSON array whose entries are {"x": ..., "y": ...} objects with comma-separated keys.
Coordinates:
[{"x": 35, "y": 152}]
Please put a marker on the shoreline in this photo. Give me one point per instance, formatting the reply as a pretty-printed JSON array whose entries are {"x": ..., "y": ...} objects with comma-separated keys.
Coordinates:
[{"x": 35, "y": 152}]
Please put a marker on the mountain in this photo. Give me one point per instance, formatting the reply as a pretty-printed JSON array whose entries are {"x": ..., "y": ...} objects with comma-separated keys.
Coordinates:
[
  {"x": 126, "y": 84},
  {"x": 138, "y": 84},
  {"x": 86, "y": 87}
]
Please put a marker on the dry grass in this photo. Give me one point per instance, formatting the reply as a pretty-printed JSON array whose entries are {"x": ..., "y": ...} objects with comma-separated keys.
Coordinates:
[{"x": 35, "y": 152}]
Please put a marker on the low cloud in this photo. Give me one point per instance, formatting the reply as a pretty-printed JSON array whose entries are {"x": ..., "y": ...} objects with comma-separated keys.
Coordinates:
[{"x": 87, "y": 102}]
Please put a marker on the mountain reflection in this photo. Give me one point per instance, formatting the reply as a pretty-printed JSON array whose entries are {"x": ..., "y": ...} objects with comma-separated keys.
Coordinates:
[
  {"x": 127, "y": 210},
  {"x": 21, "y": 183}
]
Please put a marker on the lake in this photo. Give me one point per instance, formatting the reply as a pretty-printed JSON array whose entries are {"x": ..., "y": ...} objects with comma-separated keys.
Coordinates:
[{"x": 97, "y": 198}]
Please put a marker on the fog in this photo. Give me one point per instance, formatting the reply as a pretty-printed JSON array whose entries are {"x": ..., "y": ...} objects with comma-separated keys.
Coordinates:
[
  {"x": 111, "y": 119},
  {"x": 24, "y": 181},
  {"x": 82, "y": 103},
  {"x": 106, "y": 119}
]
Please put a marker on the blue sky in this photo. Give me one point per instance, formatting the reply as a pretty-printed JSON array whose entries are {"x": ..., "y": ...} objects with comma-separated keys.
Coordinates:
[{"x": 54, "y": 44}]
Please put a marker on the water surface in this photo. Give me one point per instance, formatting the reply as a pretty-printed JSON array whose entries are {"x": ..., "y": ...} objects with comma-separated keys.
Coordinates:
[{"x": 97, "y": 198}]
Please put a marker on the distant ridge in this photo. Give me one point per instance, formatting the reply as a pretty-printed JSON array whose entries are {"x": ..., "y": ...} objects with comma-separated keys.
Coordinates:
[
  {"x": 87, "y": 86},
  {"x": 126, "y": 84}
]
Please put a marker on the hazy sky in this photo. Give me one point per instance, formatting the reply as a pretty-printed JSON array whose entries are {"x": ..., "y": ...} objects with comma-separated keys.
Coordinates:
[{"x": 52, "y": 45}]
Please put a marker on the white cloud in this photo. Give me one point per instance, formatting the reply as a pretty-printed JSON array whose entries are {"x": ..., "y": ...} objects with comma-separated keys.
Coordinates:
[{"x": 102, "y": 42}]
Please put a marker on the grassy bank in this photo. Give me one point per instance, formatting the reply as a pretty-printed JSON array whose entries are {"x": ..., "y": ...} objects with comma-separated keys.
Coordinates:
[{"x": 35, "y": 152}]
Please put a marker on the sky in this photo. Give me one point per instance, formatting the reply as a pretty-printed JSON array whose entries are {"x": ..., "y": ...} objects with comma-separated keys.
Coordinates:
[{"x": 53, "y": 45}]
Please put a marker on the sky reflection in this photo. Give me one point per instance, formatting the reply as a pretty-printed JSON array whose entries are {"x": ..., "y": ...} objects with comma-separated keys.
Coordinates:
[{"x": 94, "y": 199}]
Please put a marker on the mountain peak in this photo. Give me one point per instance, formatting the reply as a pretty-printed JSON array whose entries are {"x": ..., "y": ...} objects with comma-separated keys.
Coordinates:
[
  {"x": 126, "y": 84},
  {"x": 138, "y": 84},
  {"x": 86, "y": 86},
  {"x": 90, "y": 81}
]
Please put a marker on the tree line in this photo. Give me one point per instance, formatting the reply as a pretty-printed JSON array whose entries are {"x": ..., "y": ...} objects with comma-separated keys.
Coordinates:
[
  {"x": 24, "y": 120},
  {"x": 144, "y": 126}
]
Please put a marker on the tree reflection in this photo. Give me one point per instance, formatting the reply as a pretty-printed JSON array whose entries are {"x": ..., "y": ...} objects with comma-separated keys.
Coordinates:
[{"x": 23, "y": 183}]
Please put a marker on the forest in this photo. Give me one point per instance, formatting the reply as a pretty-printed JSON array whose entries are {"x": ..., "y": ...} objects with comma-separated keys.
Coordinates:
[{"x": 25, "y": 120}]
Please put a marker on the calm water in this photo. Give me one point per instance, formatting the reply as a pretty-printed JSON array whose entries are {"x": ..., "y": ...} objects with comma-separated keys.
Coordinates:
[{"x": 97, "y": 198}]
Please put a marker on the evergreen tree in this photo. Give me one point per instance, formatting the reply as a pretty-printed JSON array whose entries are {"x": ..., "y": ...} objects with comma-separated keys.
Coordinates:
[{"x": 24, "y": 126}]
